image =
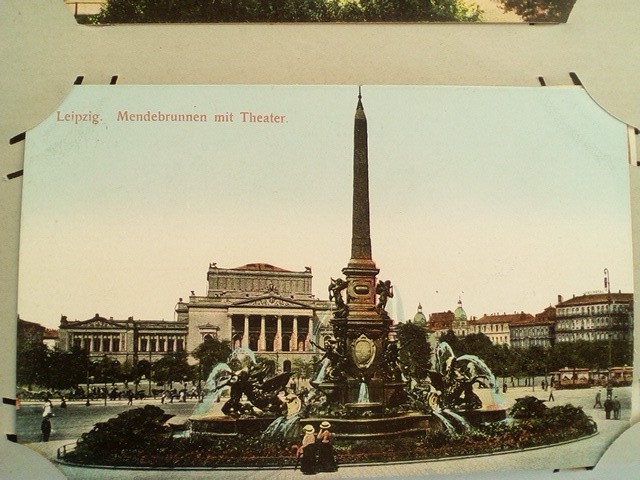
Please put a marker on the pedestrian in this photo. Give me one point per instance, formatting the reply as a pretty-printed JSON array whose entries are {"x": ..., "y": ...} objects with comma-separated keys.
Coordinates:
[
  {"x": 63, "y": 403},
  {"x": 47, "y": 409},
  {"x": 504, "y": 387},
  {"x": 543, "y": 384},
  {"x": 326, "y": 457},
  {"x": 129, "y": 397},
  {"x": 307, "y": 451},
  {"x": 598, "y": 402},
  {"x": 45, "y": 425},
  {"x": 551, "y": 397},
  {"x": 164, "y": 396},
  {"x": 608, "y": 406},
  {"x": 616, "y": 408}
]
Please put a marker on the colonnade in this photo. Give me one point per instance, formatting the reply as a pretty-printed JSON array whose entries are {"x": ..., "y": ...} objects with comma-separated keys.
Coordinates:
[
  {"x": 271, "y": 333},
  {"x": 160, "y": 343},
  {"x": 98, "y": 342}
]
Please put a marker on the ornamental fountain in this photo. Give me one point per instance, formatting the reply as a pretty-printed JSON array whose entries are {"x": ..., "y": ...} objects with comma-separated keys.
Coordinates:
[{"x": 360, "y": 386}]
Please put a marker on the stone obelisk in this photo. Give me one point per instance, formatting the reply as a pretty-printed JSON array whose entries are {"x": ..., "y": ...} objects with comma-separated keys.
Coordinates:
[{"x": 364, "y": 330}]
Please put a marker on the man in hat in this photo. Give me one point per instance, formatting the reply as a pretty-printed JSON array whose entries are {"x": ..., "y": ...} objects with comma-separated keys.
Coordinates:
[
  {"x": 616, "y": 408},
  {"x": 326, "y": 458},
  {"x": 608, "y": 407},
  {"x": 307, "y": 451}
]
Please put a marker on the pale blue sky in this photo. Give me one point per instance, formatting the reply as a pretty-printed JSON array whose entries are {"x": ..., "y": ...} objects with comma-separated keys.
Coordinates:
[{"x": 510, "y": 195}]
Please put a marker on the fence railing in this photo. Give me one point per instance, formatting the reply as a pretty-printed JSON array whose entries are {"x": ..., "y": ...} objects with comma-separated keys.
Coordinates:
[{"x": 64, "y": 449}]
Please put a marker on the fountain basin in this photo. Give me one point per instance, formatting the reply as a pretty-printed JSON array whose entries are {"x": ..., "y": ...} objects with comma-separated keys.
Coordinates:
[
  {"x": 366, "y": 427},
  {"x": 485, "y": 415},
  {"x": 224, "y": 426},
  {"x": 407, "y": 424}
]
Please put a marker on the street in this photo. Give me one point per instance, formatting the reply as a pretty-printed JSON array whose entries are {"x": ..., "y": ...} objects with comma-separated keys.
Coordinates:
[
  {"x": 77, "y": 418},
  {"x": 69, "y": 423}
]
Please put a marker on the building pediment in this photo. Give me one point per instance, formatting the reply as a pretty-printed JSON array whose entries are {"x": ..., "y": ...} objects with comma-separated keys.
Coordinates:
[
  {"x": 97, "y": 323},
  {"x": 271, "y": 301}
]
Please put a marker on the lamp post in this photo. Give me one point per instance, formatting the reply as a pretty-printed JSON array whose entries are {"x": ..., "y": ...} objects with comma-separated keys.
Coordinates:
[
  {"x": 87, "y": 403},
  {"x": 607, "y": 285},
  {"x": 149, "y": 370}
]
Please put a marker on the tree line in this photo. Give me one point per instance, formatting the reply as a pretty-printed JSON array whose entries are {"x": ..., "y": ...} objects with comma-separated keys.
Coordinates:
[
  {"x": 275, "y": 11},
  {"x": 40, "y": 366},
  {"x": 48, "y": 368},
  {"x": 507, "y": 361}
]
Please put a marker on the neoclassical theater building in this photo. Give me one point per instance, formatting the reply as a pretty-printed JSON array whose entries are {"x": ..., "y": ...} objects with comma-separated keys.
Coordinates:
[
  {"x": 270, "y": 310},
  {"x": 267, "y": 309}
]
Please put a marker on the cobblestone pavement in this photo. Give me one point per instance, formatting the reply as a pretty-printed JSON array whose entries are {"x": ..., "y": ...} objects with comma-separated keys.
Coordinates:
[{"x": 582, "y": 453}]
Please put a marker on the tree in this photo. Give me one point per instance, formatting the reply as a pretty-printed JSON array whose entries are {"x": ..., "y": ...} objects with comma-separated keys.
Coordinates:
[
  {"x": 302, "y": 370},
  {"x": 450, "y": 338},
  {"x": 31, "y": 365},
  {"x": 172, "y": 367},
  {"x": 106, "y": 370},
  {"x": 66, "y": 369},
  {"x": 180, "y": 11},
  {"x": 211, "y": 352},
  {"x": 415, "y": 351},
  {"x": 540, "y": 10},
  {"x": 477, "y": 344}
]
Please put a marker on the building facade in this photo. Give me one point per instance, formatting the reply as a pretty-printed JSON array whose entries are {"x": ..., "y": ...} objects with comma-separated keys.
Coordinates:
[
  {"x": 497, "y": 326},
  {"x": 595, "y": 316},
  {"x": 124, "y": 340},
  {"x": 527, "y": 331},
  {"x": 440, "y": 322},
  {"x": 30, "y": 334},
  {"x": 267, "y": 309},
  {"x": 257, "y": 306}
]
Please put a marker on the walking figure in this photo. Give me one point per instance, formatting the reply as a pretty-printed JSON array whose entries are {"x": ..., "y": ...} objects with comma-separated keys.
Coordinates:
[
  {"x": 307, "y": 451},
  {"x": 598, "y": 402},
  {"x": 551, "y": 397}
]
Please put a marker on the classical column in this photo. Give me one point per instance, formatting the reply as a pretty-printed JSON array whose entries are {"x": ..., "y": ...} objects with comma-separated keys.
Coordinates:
[
  {"x": 307, "y": 342},
  {"x": 262, "y": 341},
  {"x": 245, "y": 335},
  {"x": 278, "y": 341},
  {"x": 293, "y": 341}
]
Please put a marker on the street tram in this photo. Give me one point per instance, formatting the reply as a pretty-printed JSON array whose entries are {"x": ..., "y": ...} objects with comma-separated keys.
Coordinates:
[
  {"x": 567, "y": 378},
  {"x": 570, "y": 378}
]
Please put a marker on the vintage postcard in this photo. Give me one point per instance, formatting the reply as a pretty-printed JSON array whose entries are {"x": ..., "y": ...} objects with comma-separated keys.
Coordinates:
[
  {"x": 101, "y": 12},
  {"x": 363, "y": 281}
]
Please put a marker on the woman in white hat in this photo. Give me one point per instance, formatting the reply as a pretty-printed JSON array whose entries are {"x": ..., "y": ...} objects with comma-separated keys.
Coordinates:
[
  {"x": 307, "y": 451},
  {"x": 326, "y": 458}
]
